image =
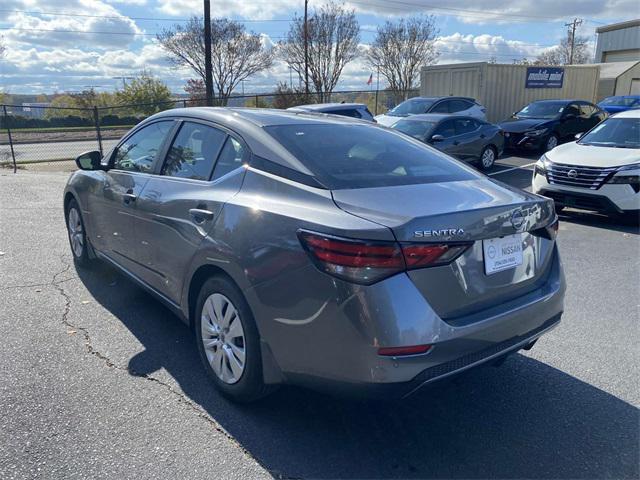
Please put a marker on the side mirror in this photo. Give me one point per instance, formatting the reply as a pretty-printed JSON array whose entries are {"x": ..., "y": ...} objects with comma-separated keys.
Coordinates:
[
  {"x": 437, "y": 138},
  {"x": 569, "y": 116},
  {"x": 89, "y": 160},
  {"x": 579, "y": 135}
]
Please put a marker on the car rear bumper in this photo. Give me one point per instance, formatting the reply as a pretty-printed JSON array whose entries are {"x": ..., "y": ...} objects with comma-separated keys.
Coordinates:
[{"x": 334, "y": 347}]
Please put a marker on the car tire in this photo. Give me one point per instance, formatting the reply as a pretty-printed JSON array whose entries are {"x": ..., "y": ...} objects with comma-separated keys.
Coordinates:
[
  {"x": 551, "y": 142},
  {"x": 77, "y": 235},
  {"x": 488, "y": 157},
  {"x": 228, "y": 341}
]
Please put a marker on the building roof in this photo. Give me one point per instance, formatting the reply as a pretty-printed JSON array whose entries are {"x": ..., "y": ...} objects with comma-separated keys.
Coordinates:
[
  {"x": 619, "y": 26},
  {"x": 614, "y": 69}
]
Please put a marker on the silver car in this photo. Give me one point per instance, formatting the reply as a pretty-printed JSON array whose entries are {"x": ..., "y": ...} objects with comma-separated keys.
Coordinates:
[
  {"x": 319, "y": 251},
  {"x": 354, "y": 110}
]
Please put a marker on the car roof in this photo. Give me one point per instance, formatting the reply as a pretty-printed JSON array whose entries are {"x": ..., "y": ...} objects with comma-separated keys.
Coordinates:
[
  {"x": 434, "y": 117},
  {"x": 560, "y": 100},
  {"x": 622, "y": 96},
  {"x": 248, "y": 124},
  {"x": 321, "y": 106},
  {"x": 450, "y": 97},
  {"x": 633, "y": 113}
]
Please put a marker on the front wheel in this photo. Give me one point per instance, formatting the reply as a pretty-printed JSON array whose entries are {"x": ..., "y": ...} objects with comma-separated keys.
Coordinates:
[
  {"x": 228, "y": 341},
  {"x": 487, "y": 157},
  {"x": 77, "y": 234},
  {"x": 551, "y": 143}
]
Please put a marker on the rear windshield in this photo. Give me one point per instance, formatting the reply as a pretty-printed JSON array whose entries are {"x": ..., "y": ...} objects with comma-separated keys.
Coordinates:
[{"x": 361, "y": 156}]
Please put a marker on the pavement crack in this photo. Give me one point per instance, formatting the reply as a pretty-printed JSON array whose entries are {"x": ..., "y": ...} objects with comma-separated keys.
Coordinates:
[{"x": 182, "y": 398}]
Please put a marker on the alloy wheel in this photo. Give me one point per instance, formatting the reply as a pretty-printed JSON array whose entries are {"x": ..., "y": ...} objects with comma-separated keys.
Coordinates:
[
  {"x": 552, "y": 142},
  {"x": 223, "y": 338},
  {"x": 76, "y": 236},
  {"x": 488, "y": 157}
]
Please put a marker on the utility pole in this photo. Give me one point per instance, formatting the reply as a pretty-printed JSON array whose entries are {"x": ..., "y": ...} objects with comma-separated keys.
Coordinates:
[
  {"x": 573, "y": 25},
  {"x": 207, "y": 53},
  {"x": 124, "y": 80},
  {"x": 306, "y": 49}
]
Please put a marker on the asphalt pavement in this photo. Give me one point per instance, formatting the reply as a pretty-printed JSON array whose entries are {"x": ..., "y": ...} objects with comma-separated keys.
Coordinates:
[{"x": 99, "y": 380}]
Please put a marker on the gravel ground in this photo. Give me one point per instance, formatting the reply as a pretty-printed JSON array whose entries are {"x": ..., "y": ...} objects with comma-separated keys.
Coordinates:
[{"x": 98, "y": 380}]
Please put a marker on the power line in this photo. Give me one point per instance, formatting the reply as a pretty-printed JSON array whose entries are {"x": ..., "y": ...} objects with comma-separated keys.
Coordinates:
[{"x": 116, "y": 17}]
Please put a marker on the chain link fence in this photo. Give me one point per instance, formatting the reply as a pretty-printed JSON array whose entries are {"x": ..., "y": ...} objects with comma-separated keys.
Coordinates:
[{"x": 39, "y": 133}]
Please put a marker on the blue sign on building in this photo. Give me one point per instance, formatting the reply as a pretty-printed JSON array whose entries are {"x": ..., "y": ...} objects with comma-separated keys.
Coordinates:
[{"x": 544, "y": 77}]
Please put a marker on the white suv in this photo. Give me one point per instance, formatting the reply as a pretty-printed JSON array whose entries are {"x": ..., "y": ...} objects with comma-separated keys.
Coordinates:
[
  {"x": 599, "y": 172},
  {"x": 459, "y": 105}
]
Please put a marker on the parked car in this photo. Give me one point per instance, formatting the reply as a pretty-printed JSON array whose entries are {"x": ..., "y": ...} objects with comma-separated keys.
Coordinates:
[
  {"x": 414, "y": 106},
  {"x": 601, "y": 171},
  {"x": 542, "y": 125},
  {"x": 619, "y": 103},
  {"x": 318, "y": 250},
  {"x": 354, "y": 110},
  {"x": 465, "y": 138}
]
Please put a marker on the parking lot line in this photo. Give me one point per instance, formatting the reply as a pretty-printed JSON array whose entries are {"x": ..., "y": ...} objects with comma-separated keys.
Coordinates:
[{"x": 522, "y": 167}]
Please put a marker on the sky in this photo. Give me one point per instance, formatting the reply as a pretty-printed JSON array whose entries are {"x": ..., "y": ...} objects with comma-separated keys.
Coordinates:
[{"x": 72, "y": 45}]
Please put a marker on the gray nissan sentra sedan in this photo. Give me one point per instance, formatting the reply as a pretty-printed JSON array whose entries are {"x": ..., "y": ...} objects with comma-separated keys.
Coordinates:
[{"x": 319, "y": 250}]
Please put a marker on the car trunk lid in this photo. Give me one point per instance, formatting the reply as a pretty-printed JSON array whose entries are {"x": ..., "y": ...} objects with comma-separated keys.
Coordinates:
[{"x": 469, "y": 211}]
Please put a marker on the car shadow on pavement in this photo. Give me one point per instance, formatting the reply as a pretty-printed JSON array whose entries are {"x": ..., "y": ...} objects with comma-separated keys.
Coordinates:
[
  {"x": 628, "y": 224},
  {"x": 525, "y": 419}
]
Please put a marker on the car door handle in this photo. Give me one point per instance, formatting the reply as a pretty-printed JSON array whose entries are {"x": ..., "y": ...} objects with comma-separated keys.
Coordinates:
[
  {"x": 456, "y": 142},
  {"x": 129, "y": 197},
  {"x": 483, "y": 136},
  {"x": 200, "y": 215}
]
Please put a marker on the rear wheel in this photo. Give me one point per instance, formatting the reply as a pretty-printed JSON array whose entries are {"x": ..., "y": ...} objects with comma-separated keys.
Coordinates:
[
  {"x": 77, "y": 234},
  {"x": 487, "y": 157},
  {"x": 228, "y": 341}
]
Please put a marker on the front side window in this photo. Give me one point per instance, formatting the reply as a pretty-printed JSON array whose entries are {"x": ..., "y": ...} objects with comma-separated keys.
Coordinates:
[
  {"x": 139, "y": 152},
  {"x": 466, "y": 125},
  {"x": 446, "y": 129},
  {"x": 193, "y": 151},
  {"x": 415, "y": 128},
  {"x": 361, "y": 156}
]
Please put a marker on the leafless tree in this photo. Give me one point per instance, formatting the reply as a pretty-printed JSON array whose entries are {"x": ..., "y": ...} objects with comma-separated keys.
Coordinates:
[
  {"x": 401, "y": 48},
  {"x": 333, "y": 34},
  {"x": 236, "y": 54},
  {"x": 561, "y": 54}
]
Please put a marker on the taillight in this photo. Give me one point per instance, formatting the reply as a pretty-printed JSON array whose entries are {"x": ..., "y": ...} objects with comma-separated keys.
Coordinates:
[{"x": 366, "y": 262}]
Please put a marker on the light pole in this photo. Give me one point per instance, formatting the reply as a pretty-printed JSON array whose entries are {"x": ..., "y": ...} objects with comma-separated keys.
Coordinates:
[{"x": 207, "y": 53}]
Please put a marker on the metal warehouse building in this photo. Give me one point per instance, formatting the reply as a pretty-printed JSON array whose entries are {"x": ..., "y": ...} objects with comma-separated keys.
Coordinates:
[
  {"x": 619, "y": 42},
  {"x": 504, "y": 88},
  {"x": 619, "y": 78}
]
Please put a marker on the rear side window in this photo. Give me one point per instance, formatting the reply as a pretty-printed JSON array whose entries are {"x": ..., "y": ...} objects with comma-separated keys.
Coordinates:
[
  {"x": 459, "y": 105},
  {"x": 193, "y": 152},
  {"x": 138, "y": 153},
  {"x": 442, "y": 107},
  {"x": 347, "y": 112},
  {"x": 232, "y": 156},
  {"x": 361, "y": 156}
]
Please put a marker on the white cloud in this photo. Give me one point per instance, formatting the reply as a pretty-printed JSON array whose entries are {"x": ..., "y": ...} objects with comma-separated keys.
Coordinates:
[{"x": 255, "y": 10}]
